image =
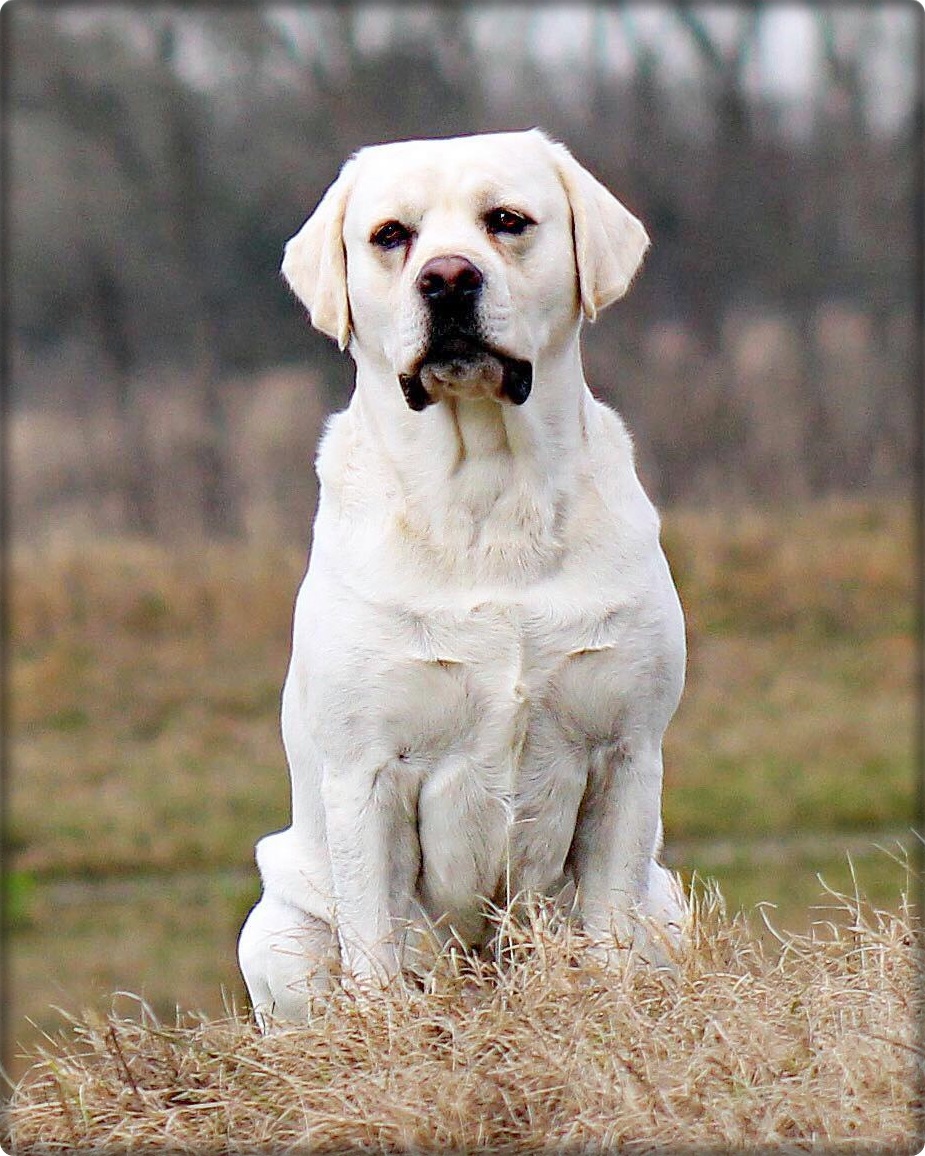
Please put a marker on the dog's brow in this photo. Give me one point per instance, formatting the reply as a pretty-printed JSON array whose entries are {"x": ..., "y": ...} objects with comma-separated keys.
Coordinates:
[
  {"x": 496, "y": 196},
  {"x": 393, "y": 209}
]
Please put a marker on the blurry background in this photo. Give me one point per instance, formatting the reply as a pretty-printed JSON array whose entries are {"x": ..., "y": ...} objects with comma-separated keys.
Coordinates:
[
  {"x": 165, "y": 393},
  {"x": 165, "y": 382}
]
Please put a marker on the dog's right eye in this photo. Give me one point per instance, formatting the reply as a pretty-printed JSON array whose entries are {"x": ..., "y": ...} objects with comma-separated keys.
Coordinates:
[{"x": 390, "y": 235}]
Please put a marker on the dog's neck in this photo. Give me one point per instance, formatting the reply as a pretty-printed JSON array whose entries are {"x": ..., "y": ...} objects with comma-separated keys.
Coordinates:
[{"x": 483, "y": 481}]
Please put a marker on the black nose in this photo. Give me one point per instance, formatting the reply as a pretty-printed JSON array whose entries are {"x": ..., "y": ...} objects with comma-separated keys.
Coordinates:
[{"x": 445, "y": 280}]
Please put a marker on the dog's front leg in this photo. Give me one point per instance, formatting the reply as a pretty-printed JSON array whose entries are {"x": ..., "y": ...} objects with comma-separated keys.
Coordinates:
[
  {"x": 370, "y": 820},
  {"x": 615, "y": 840}
]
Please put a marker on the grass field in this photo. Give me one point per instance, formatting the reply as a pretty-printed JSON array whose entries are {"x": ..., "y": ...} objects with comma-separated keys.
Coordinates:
[
  {"x": 144, "y": 694},
  {"x": 809, "y": 1046}
]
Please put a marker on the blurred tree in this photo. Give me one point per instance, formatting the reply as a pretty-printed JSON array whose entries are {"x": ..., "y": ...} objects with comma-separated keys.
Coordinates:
[{"x": 160, "y": 158}]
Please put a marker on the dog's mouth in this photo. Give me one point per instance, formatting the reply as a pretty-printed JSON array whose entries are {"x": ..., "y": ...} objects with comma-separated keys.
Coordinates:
[{"x": 461, "y": 365}]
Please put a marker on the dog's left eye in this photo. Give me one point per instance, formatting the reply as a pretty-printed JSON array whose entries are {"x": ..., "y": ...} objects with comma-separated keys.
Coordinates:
[
  {"x": 390, "y": 235},
  {"x": 507, "y": 221}
]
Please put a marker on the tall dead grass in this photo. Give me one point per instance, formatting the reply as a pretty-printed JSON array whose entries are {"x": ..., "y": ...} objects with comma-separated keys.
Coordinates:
[{"x": 793, "y": 1044}]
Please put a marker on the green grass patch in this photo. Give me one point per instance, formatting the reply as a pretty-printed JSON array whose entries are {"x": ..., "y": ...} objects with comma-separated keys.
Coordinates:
[{"x": 19, "y": 888}]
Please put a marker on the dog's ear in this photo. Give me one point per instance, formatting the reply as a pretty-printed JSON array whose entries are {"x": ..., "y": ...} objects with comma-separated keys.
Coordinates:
[
  {"x": 315, "y": 262},
  {"x": 609, "y": 241}
]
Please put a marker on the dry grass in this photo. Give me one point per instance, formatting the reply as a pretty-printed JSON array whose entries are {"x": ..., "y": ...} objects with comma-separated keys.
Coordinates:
[
  {"x": 144, "y": 698},
  {"x": 797, "y": 1046}
]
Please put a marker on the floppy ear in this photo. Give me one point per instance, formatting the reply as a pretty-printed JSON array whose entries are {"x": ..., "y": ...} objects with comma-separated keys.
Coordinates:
[
  {"x": 609, "y": 241},
  {"x": 315, "y": 264}
]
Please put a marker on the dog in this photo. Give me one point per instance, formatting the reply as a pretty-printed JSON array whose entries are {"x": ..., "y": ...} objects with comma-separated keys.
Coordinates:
[{"x": 488, "y": 644}]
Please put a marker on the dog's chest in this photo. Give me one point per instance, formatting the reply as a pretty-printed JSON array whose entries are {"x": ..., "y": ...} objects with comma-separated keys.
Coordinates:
[
  {"x": 513, "y": 688},
  {"x": 504, "y": 706}
]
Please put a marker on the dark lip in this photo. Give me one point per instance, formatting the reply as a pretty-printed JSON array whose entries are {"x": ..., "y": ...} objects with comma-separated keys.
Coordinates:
[{"x": 459, "y": 347}]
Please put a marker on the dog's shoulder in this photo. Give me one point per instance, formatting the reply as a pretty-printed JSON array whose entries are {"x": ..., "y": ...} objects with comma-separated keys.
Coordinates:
[
  {"x": 334, "y": 449},
  {"x": 611, "y": 463},
  {"x": 350, "y": 468},
  {"x": 608, "y": 439}
]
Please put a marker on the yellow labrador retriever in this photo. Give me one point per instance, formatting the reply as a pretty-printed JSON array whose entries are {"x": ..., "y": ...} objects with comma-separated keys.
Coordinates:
[{"x": 488, "y": 645}]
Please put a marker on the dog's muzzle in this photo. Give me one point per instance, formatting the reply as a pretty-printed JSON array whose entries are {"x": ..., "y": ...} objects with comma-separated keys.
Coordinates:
[
  {"x": 443, "y": 363},
  {"x": 450, "y": 287}
]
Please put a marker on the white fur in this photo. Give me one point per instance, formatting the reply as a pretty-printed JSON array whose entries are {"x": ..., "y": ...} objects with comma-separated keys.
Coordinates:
[{"x": 487, "y": 645}]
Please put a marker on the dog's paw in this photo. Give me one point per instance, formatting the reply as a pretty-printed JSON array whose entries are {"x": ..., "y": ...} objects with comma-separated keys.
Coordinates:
[{"x": 647, "y": 945}]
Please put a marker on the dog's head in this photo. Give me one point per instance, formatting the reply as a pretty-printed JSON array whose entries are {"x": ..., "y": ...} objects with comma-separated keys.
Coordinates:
[{"x": 453, "y": 264}]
